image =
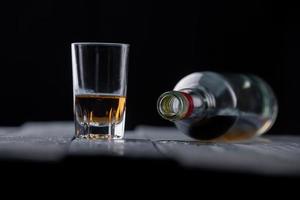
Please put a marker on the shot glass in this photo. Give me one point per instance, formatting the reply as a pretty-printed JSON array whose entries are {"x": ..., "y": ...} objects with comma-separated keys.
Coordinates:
[{"x": 99, "y": 89}]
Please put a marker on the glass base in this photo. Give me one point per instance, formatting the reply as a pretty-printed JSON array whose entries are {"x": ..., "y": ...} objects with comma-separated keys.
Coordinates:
[
  {"x": 92, "y": 132},
  {"x": 98, "y": 137}
]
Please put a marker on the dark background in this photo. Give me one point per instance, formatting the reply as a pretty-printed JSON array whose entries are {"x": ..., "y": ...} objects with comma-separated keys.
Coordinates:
[{"x": 168, "y": 40}]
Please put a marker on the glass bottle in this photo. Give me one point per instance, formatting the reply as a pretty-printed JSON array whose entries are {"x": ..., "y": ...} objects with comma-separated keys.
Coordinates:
[{"x": 226, "y": 107}]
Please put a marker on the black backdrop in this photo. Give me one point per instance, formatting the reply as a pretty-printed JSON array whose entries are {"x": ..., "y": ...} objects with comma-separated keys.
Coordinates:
[{"x": 168, "y": 40}]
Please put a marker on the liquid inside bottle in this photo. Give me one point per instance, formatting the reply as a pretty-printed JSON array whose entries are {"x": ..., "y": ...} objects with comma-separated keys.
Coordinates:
[{"x": 212, "y": 106}]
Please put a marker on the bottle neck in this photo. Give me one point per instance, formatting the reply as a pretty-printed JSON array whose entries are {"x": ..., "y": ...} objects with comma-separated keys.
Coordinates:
[{"x": 177, "y": 105}]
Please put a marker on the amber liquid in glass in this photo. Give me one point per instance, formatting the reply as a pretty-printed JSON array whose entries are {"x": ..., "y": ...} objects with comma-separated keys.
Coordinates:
[{"x": 97, "y": 115}]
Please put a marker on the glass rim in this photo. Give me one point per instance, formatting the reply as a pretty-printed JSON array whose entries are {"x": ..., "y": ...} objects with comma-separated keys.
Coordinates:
[{"x": 100, "y": 44}]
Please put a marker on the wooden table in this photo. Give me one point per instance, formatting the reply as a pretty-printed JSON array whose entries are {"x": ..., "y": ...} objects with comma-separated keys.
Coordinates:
[{"x": 50, "y": 142}]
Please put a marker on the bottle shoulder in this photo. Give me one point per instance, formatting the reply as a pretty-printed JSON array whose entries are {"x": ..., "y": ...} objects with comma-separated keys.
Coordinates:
[
  {"x": 213, "y": 83},
  {"x": 192, "y": 80}
]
